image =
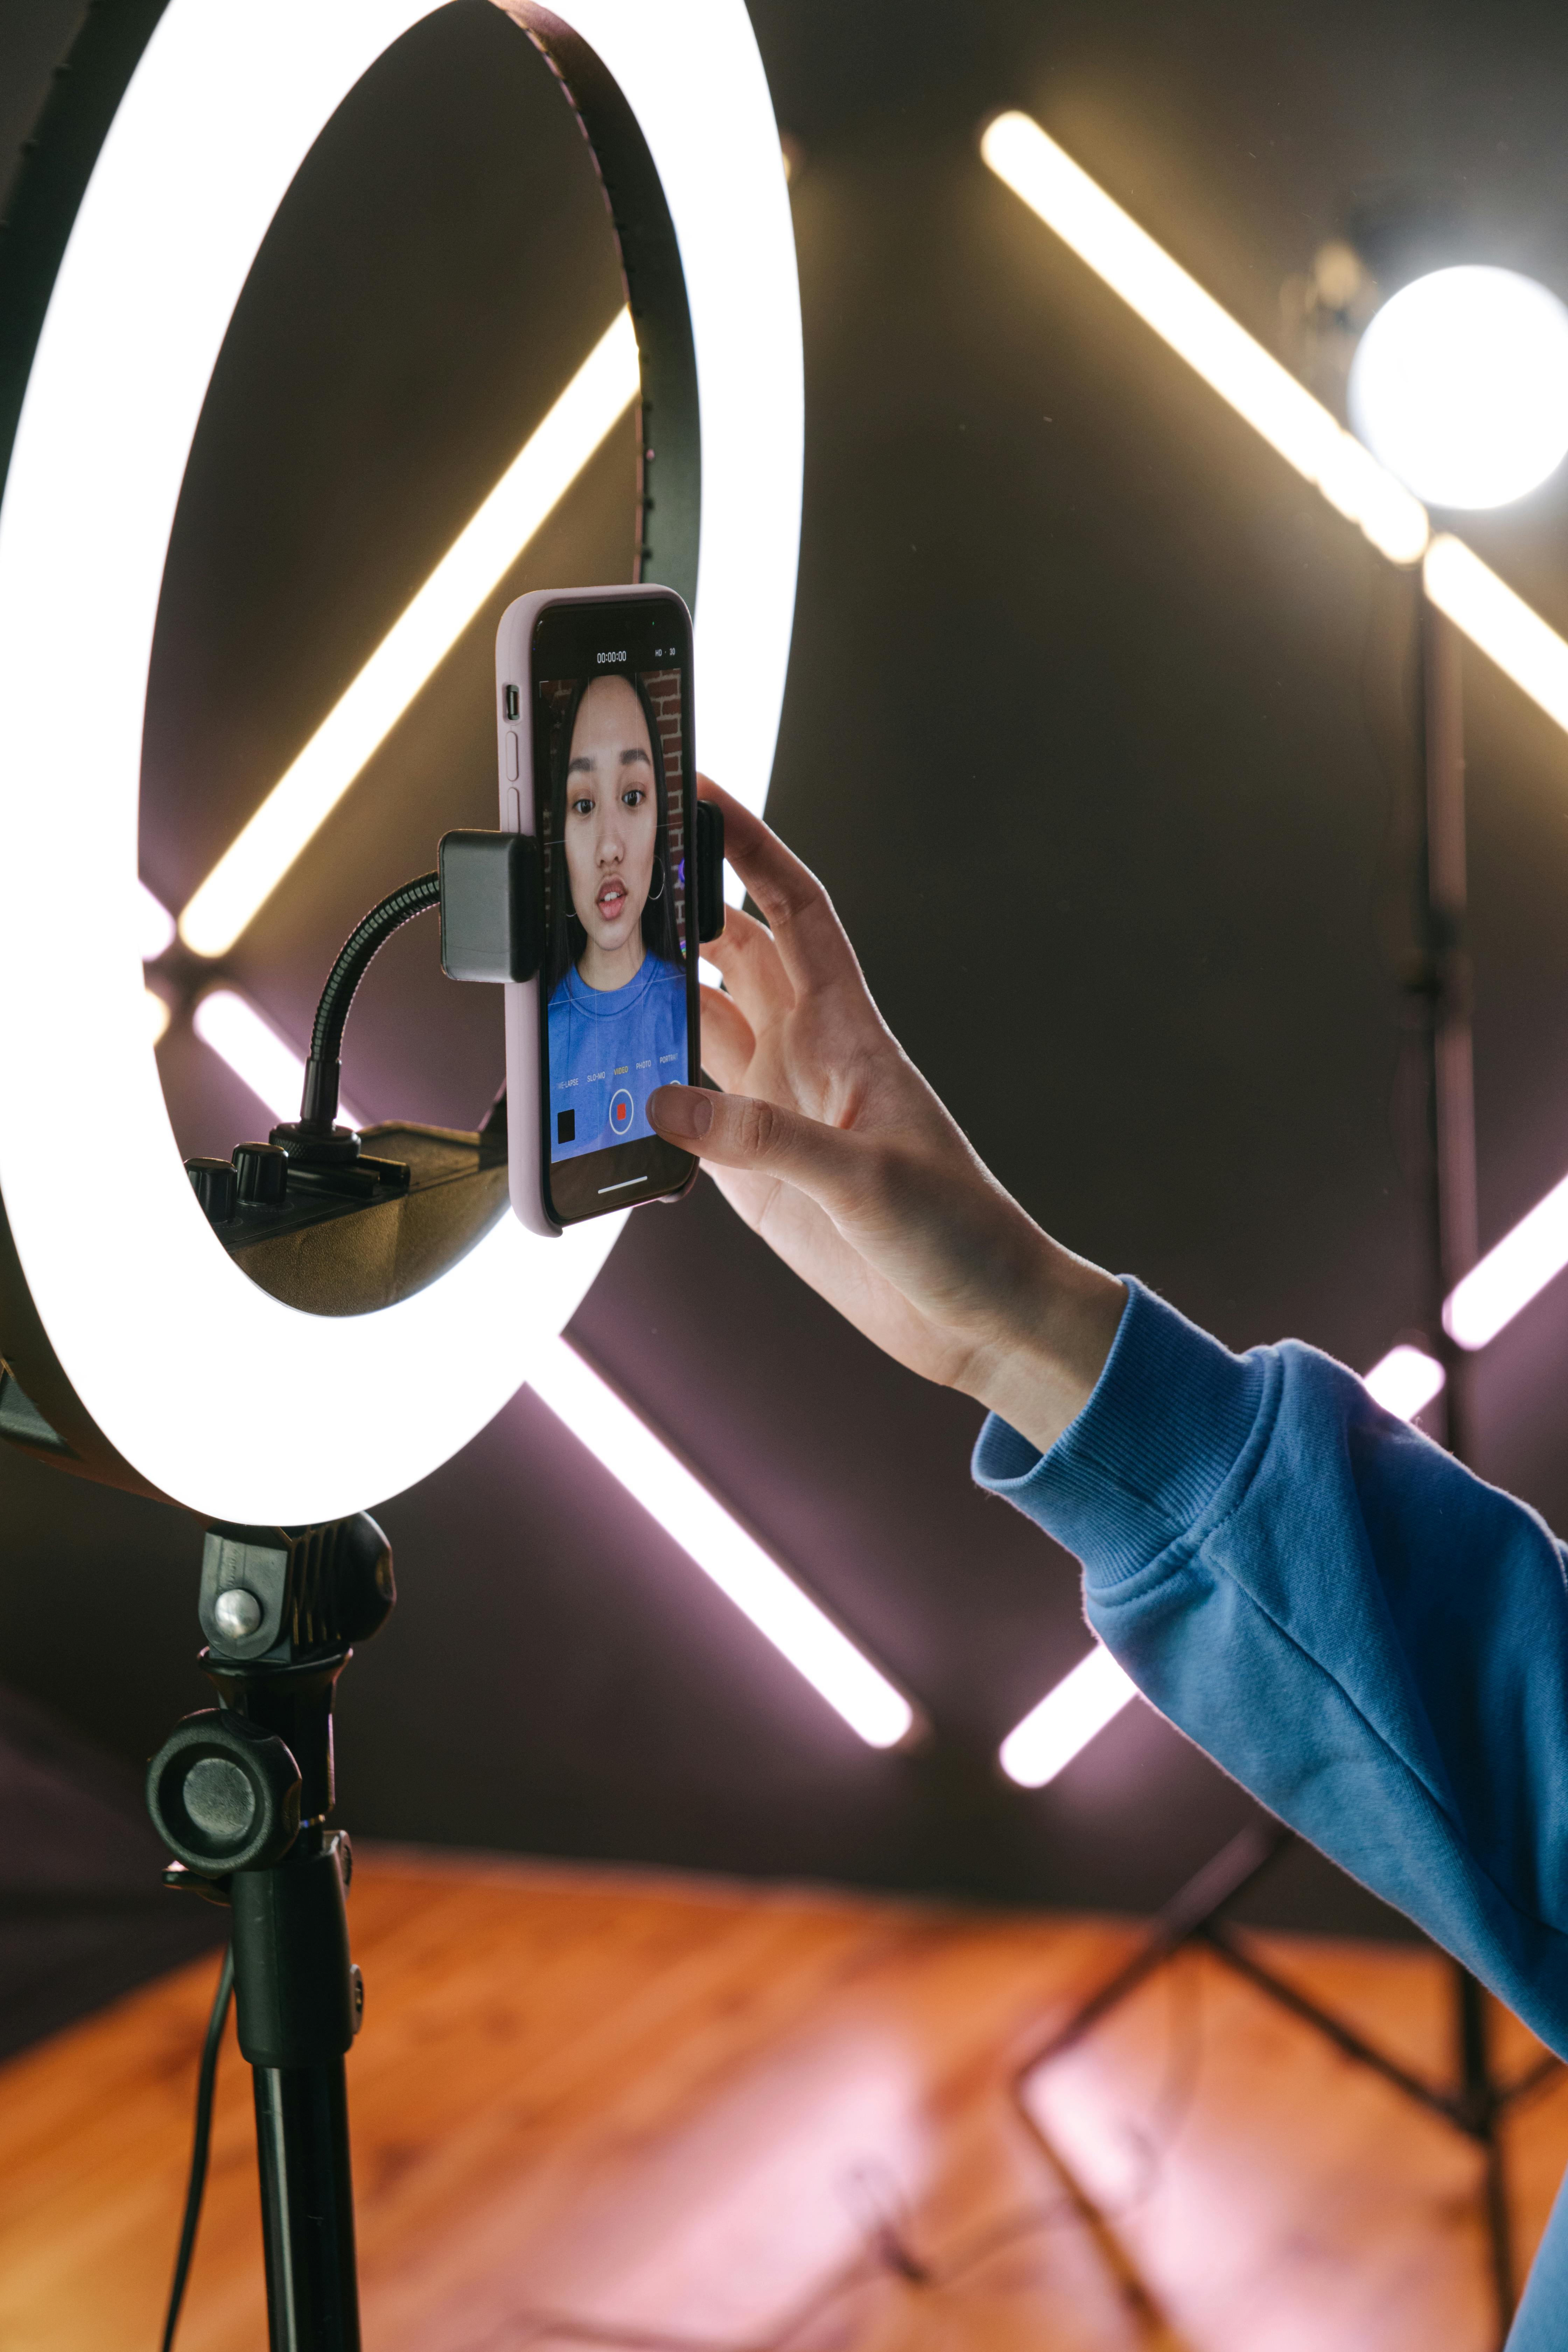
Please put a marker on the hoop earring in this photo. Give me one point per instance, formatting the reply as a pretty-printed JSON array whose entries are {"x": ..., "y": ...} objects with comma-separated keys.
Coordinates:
[{"x": 655, "y": 896}]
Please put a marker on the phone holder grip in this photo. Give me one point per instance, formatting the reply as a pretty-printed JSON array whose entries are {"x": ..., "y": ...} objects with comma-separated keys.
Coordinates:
[
  {"x": 492, "y": 898},
  {"x": 493, "y": 906}
]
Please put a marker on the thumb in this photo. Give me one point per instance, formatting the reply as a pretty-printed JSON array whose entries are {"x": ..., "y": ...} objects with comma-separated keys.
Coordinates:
[{"x": 741, "y": 1131}]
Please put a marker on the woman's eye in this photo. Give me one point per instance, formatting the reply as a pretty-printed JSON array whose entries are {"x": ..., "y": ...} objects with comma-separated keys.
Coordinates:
[
  {"x": 582, "y": 808},
  {"x": 635, "y": 796}
]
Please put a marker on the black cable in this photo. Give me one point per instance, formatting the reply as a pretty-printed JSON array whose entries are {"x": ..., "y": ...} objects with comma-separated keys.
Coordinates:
[
  {"x": 319, "y": 1109},
  {"x": 205, "y": 2081}
]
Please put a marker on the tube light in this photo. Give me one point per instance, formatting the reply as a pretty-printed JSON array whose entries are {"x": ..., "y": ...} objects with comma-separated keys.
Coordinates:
[
  {"x": 1405, "y": 1381},
  {"x": 1504, "y": 627},
  {"x": 180, "y": 197},
  {"x": 1200, "y": 331},
  {"x": 1500, "y": 622},
  {"x": 484, "y": 550},
  {"x": 1511, "y": 1274},
  {"x": 260, "y": 1059},
  {"x": 797, "y": 1628},
  {"x": 1066, "y": 1719}
]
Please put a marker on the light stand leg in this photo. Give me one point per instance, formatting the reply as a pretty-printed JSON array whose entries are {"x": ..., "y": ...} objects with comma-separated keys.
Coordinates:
[
  {"x": 1446, "y": 983},
  {"x": 1454, "y": 1246},
  {"x": 1482, "y": 2101}
]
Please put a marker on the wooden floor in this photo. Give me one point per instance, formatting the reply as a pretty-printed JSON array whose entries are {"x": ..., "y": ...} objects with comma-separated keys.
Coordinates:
[{"x": 601, "y": 2109}]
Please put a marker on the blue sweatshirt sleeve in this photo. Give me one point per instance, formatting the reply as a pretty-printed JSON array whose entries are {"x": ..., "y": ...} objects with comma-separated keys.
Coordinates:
[{"x": 1365, "y": 1635}]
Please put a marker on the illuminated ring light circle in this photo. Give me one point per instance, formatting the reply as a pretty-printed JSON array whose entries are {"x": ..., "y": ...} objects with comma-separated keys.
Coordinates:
[{"x": 153, "y": 1356}]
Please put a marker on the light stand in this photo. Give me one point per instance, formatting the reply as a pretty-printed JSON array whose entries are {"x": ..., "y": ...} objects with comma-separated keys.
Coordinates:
[
  {"x": 241, "y": 1793},
  {"x": 1438, "y": 1001},
  {"x": 391, "y": 1252}
]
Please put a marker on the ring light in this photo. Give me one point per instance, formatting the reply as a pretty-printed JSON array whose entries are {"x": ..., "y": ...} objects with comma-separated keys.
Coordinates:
[{"x": 162, "y": 161}]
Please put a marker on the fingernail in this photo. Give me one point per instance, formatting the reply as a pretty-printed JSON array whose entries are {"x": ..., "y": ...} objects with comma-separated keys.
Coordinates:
[{"x": 683, "y": 1111}]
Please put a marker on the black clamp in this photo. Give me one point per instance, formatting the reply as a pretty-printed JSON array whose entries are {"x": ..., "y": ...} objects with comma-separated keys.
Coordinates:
[{"x": 492, "y": 898}]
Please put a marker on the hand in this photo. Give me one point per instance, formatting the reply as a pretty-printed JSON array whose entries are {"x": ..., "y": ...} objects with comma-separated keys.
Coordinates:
[{"x": 831, "y": 1146}]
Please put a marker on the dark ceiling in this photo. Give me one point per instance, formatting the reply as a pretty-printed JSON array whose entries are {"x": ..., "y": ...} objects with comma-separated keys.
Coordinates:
[{"x": 1077, "y": 732}]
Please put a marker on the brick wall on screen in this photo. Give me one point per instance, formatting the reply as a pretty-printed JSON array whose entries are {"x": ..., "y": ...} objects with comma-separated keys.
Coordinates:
[
  {"x": 555, "y": 694},
  {"x": 662, "y": 688}
]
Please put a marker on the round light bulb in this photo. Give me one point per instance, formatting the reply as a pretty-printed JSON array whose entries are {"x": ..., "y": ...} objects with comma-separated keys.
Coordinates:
[{"x": 1460, "y": 385}]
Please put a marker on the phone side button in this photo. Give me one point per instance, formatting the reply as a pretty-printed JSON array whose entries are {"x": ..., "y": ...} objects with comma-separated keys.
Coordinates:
[
  {"x": 511, "y": 766},
  {"x": 513, "y": 813}
]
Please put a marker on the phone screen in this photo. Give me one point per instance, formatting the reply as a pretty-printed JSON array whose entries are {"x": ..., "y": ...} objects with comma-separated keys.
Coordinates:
[{"x": 613, "y": 795}]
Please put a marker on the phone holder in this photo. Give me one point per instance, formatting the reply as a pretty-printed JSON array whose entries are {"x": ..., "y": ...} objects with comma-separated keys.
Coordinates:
[{"x": 283, "y": 1209}]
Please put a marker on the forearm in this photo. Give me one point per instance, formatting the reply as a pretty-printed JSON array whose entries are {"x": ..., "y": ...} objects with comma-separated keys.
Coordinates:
[{"x": 1364, "y": 1634}]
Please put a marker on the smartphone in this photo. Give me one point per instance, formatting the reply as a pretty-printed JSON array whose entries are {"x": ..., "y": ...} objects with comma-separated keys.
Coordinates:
[{"x": 594, "y": 734}]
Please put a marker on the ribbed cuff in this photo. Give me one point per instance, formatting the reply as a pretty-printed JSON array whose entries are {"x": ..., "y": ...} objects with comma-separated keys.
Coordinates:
[{"x": 1169, "y": 1413}]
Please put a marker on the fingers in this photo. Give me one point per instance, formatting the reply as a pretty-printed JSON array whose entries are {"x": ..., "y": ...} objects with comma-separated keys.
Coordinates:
[
  {"x": 753, "y": 974},
  {"x": 812, "y": 942},
  {"x": 727, "y": 1043},
  {"x": 763, "y": 1138}
]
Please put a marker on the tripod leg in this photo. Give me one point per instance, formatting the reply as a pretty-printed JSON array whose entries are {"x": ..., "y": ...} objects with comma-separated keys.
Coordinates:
[
  {"x": 1183, "y": 1919},
  {"x": 307, "y": 2207},
  {"x": 1499, "y": 2232},
  {"x": 1481, "y": 2103}
]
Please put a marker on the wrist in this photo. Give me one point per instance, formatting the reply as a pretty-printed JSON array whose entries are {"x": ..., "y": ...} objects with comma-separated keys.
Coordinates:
[{"x": 1041, "y": 1374}]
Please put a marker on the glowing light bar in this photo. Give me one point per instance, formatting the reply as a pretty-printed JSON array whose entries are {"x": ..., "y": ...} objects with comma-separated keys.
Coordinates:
[
  {"x": 255, "y": 863},
  {"x": 721, "y": 1547},
  {"x": 1205, "y": 334},
  {"x": 1502, "y": 623},
  {"x": 1405, "y": 1381},
  {"x": 259, "y": 1058},
  {"x": 154, "y": 924},
  {"x": 157, "y": 1015},
  {"x": 1066, "y": 1719},
  {"x": 1511, "y": 1274}
]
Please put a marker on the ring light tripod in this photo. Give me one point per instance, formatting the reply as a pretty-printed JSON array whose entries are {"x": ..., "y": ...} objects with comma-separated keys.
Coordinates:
[{"x": 322, "y": 1259}]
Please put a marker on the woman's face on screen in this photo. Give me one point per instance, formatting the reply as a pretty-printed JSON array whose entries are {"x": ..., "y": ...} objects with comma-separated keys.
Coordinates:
[{"x": 611, "y": 816}]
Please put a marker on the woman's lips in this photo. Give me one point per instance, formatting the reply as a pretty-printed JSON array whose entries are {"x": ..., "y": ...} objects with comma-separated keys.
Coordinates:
[{"x": 611, "y": 900}]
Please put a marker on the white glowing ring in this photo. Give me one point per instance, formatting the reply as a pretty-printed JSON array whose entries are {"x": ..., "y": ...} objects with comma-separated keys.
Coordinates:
[{"x": 215, "y": 1392}]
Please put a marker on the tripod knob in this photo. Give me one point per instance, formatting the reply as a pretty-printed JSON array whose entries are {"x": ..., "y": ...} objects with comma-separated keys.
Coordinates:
[
  {"x": 224, "y": 1794},
  {"x": 261, "y": 1172},
  {"x": 212, "y": 1182}
]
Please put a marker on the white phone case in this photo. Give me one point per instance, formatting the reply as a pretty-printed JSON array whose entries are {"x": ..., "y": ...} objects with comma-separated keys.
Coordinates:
[{"x": 515, "y": 751}]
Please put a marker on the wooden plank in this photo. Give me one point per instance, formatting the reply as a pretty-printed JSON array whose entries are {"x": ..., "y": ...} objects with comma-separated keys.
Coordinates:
[{"x": 667, "y": 2104}]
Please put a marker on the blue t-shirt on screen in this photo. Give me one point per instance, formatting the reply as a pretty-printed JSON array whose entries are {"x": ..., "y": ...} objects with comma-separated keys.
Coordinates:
[{"x": 609, "y": 1047}]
